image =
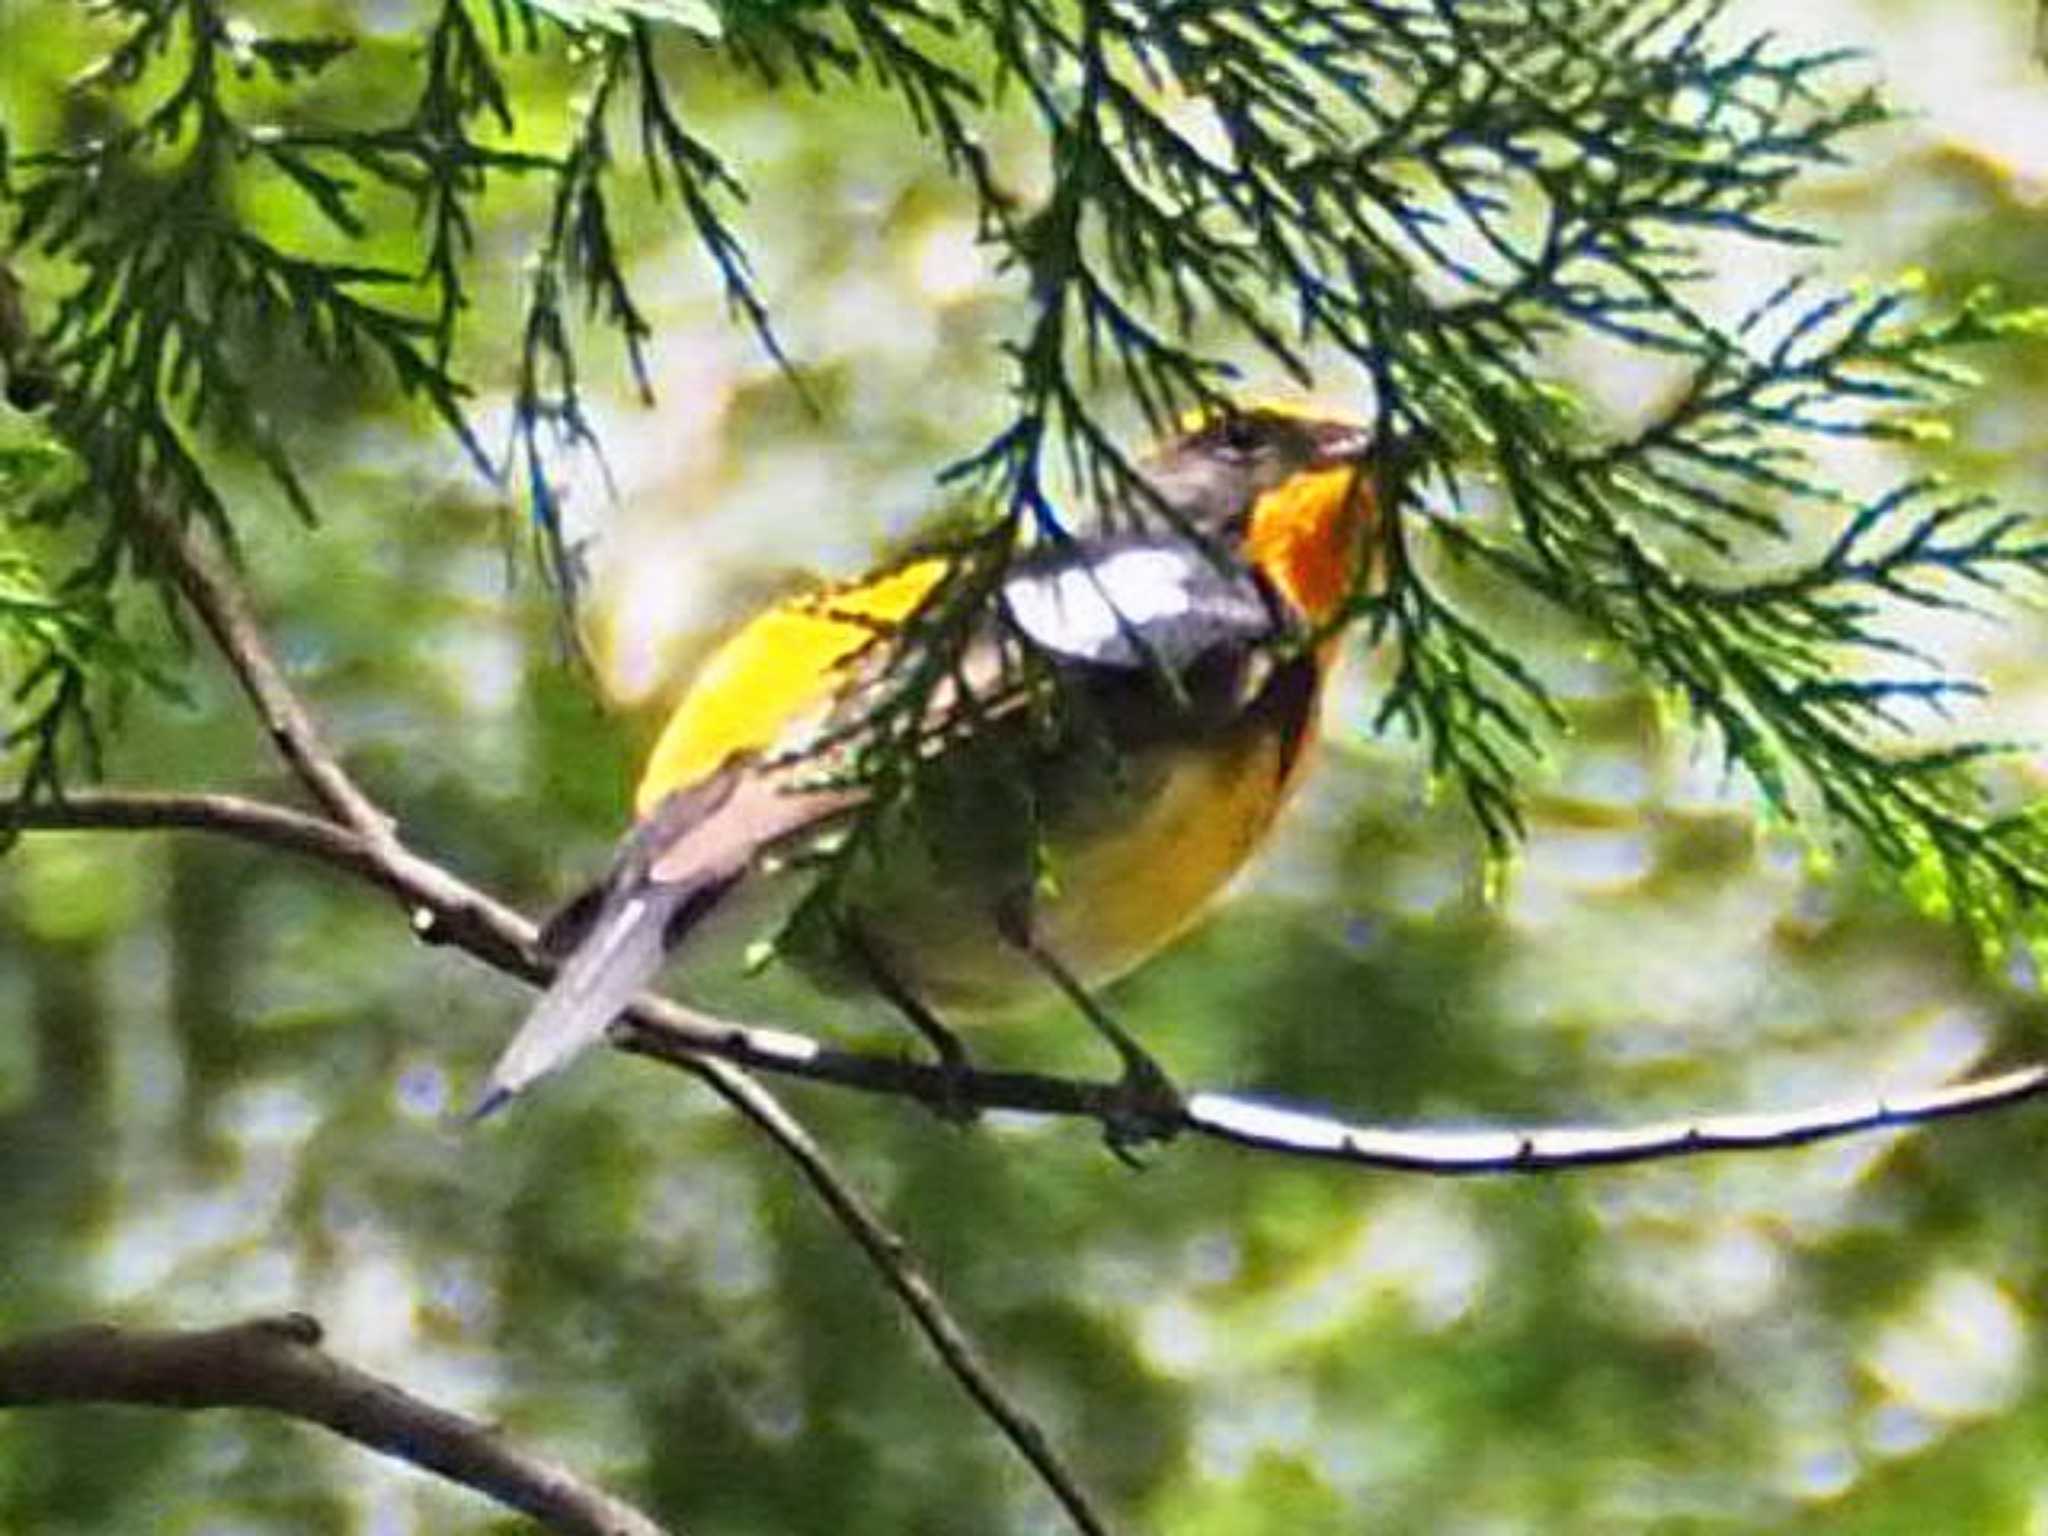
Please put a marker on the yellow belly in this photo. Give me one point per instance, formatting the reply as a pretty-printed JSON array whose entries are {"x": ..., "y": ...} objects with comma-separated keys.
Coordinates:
[
  {"x": 1119, "y": 873},
  {"x": 1122, "y": 898}
]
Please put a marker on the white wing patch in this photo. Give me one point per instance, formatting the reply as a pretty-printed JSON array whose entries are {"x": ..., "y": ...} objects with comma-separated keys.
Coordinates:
[
  {"x": 1138, "y": 603},
  {"x": 1092, "y": 609}
]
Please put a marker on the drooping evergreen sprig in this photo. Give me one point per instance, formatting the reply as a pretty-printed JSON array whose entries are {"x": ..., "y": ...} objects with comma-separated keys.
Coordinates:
[
  {"x": 1662, "y": 541},
  {"x": 169, "y": 295},
  {"x": 1420, "y": 202},
  {"x": 63, "y": 656}
]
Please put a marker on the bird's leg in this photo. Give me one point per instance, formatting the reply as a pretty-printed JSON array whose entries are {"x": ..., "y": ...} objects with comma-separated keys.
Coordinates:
[
  {"x": 955, "y": 1066},
  {"x": 1148, "y": 1106}
]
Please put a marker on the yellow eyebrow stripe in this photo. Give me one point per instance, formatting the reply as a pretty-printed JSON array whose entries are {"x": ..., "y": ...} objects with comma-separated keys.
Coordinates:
[
  {"x": 1197, "y": 417},
  {"x": 782, "y": 667}
]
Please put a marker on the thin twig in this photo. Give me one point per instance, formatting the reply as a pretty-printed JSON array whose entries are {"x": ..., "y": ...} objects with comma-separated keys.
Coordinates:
[
  {"x": 448, "y": 910},
  {"x": 502, "y": 939},
  {"x": 1551, "y": 1149},
  {"x": 256, "y": 821},
  {"x": 219, "y": 603},
  {"x": 911, "y": 1284},
  {"x": 443, "y": 909},
  {"x": 276, "y": 1363}
]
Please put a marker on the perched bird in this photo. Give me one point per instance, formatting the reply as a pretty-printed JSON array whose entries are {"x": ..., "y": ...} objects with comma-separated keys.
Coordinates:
[{"x": 1111, "y": 740}]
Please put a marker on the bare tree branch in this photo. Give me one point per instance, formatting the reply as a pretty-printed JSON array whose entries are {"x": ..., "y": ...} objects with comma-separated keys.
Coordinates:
[
  {"x": 911, "y": 1284},
  {"x": 443, "y": 909},
  {"x": 448, "y": 910},
  {"x": 224, "y": 611},
  {"x": 256, "y": 821},
  {"x": 276, "y": 1363},
  {"x": 1551, "y": 1149}
]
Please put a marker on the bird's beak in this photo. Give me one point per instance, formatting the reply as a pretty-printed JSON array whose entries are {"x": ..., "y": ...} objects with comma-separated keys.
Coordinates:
[{"x": 1341, "y": 442}]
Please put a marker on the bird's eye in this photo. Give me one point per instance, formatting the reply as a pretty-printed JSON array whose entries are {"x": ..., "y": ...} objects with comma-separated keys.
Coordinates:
[{"x": 1240, "y": 435}]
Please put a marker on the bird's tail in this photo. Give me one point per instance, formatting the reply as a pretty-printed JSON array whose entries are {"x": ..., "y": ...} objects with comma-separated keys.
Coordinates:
[
  {"x": 670, "y": 872},
  {"x": 610, "y": 940},
  {"x": 617, "y": 958}
]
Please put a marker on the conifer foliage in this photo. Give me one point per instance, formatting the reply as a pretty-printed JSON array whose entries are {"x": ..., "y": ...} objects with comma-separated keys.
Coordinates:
[{"x": 1424, "y": 202}]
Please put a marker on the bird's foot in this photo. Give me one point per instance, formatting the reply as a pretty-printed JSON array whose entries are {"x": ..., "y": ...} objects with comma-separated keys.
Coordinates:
[
  {"x": 954, "y": 1102},
  {"x": 1144, "y": 1108}
]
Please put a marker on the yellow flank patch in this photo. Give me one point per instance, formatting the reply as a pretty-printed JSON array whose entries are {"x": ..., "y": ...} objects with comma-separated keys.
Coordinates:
[
  {"x": 784, "y": 666},
  {"x": 1306, "y": 535}
]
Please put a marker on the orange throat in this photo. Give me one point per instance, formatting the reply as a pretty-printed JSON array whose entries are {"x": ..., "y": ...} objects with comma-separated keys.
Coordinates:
[{"x": 1308, "y": 536}]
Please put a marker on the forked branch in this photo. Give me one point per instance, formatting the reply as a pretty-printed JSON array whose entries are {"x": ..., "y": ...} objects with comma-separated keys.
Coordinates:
[
  {"x": 447, "y": 909},
  {"x": 277, "y": 1364}
]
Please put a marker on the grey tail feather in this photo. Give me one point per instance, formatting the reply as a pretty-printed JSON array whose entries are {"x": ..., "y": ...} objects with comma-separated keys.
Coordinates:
[
  {"x": 619, "y": 956},
  {"x": 611, "y": 939}
]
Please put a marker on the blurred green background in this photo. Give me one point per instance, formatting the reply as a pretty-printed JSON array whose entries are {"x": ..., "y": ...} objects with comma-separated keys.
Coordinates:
[{"x": 227, "y": 1080}]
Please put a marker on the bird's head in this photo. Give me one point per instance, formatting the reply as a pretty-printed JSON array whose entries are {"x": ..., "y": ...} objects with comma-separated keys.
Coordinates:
[{"x": 1289, "y": 487}]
